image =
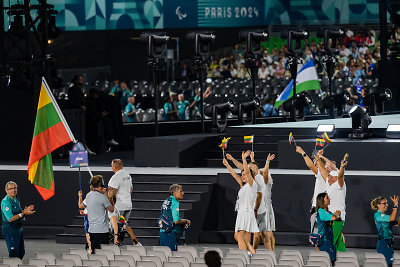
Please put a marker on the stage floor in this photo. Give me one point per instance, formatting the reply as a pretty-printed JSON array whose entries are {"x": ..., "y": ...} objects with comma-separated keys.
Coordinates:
[{"x": 378, "y": 122}]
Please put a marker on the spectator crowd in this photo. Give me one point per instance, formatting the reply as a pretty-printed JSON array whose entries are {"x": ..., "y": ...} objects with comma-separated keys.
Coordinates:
[{"x": 357, "y": 58}]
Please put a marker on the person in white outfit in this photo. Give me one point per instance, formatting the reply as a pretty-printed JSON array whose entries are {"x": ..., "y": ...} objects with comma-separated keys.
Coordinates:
[
  {"x": 263, "y": 210},
  {"x": 319, "y": 187},
  {"x": 120, "y": 185},
  {"x": 245, "y": 219},
  {"x": 266, "y": 221},
  {"x": 336, "y": 189}
]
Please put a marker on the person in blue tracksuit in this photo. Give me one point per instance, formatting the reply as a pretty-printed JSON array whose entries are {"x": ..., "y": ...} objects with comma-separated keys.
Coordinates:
[
  {"x": 324, "y": 224},
  {"x": 383, "y": 224},
  {"x": 12, "y": 215},
  {"x": 170, "y": 212}
]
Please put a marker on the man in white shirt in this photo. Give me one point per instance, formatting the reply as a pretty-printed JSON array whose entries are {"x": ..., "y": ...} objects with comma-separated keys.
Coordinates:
[
  {"x": 120, "y": 185},
  {"x": 363, "y": 49},
  {"x": 344, "y": 51},
  {"x": 336, "y": 189}
]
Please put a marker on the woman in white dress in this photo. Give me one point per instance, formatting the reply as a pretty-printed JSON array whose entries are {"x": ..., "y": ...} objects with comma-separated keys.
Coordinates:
[
  {"x": 245, "y": 219},
  {"x": 269, "y": 239}
]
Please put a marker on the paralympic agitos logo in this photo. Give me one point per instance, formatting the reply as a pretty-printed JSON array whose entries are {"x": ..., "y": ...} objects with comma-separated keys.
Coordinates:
[{"x": 179, "y": 13}]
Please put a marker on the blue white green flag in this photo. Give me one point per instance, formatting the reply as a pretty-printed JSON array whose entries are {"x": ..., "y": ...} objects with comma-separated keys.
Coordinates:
[{"x": 307, "y": 79}]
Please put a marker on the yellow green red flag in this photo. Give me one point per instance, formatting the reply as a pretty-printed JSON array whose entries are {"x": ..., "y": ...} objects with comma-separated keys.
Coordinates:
[
  {"x": 51, "y": 132},
  {"x": 320, "y": 142},
  {"x": 291, "y": 138},
  {"x": 326, "y": 138},
  {"x": 224, "y": 143},
  {"x": 248, "y": 139}
]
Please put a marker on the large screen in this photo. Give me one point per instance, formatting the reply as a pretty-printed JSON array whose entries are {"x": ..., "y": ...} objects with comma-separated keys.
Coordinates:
[{"x": 80, "y": 15}]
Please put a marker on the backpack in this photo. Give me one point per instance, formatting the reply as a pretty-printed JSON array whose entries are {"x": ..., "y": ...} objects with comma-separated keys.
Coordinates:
[
  {"x": 315, "y": 239},
  {"x": 165, "y": 221}
]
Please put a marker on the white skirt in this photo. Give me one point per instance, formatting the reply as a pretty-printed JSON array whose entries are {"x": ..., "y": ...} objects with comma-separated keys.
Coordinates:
[
  {"x": 270, "y": 220},
  {"x": 246, "y": 221}
]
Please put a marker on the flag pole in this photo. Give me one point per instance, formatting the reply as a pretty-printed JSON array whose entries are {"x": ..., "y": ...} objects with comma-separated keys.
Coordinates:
[
  {"x": 91, "y": 174},
  {"x": 80, "y": 179},
  {"x": 252, "y": 147},
  {"x": 61, "y": 115},
  {"x": 327, "y": 145},
  {"x": 53, "y": 100}
]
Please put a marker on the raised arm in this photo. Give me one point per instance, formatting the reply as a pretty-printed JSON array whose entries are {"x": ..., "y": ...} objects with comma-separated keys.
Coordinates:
[
  {"x": 266, "y": 168},
  {"x": 238, "y": 164},
  {"x": 246, "y": 168},
  {"x": 321, "y": 167},
  {"x": 329, "y": 162},
  {"x": 80, "y": 201},
  {"x": 341, "y": 173},
  {"x": 232, "y": 172},
  {"x": 307, "y": 159},
  {"x": 395, "y": 200},
  {"x": 252, "y": 156}
]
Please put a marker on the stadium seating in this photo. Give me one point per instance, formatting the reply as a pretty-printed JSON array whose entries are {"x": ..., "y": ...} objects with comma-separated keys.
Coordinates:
[{"x": 188, "y": 256}]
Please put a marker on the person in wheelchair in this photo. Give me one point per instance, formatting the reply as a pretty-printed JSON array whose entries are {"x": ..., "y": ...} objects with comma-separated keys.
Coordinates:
[{"x": 118, "y": 227}]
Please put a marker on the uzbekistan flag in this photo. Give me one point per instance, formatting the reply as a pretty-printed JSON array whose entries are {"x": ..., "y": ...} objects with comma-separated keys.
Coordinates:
[
  {"x": 248, "y": 139},
  {"x": 224, "y": 143},
  {"x": 291, "y": 138},
  {"x": 51, "y": 132},
  {"x": 320, "y": 142},
  {"x": 307, "y": 79},
  {"x": 326, "y": 138}
]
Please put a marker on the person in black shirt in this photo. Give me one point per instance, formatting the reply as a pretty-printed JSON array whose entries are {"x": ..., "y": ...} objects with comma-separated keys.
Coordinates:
[{"x": 76, "y": 98}]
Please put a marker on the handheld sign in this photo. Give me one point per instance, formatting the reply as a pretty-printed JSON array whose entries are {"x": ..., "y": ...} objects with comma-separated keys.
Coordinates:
[{"x": 78, "y": 156}]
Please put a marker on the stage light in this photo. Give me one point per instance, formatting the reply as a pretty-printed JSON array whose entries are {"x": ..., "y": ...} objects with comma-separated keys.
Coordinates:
[
  {"x": 377, "y": 101},
  {"x": 325, "y": 128},
  {"x": 332, "y": 34},
  {"x": 294, "y": 36},
  {"x": 328, "y": 128},
  {"x": 249, "y": 108},
  {"x": 393, "y": 131},
  {"x": 253, "y": 38},
  {"x": 360, "y": 121},
  {"x": 202, "y": 40},
  {"x": 219, "y": 113},
  {"x": 299, "y": 103},
  {"x": 155, "y": 43}
]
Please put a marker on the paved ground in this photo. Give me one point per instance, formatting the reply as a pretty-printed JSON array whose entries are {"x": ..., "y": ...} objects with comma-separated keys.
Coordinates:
[{"x": 44, "y": 245}]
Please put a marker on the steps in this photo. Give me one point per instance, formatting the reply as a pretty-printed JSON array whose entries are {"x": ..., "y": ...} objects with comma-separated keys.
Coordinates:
[{"x": 147, "y": 197}]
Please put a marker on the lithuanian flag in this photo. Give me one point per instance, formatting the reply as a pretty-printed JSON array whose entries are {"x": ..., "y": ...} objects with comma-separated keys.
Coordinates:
[
  {"x": 224, "y": 143},
  {"x": 291, "y": 138},
  {"x": 326, "y": 138},
  {"x": 248, "y": 139},
  {"x": 320, "y": 142},
  {"x": 51, "y": 132}
]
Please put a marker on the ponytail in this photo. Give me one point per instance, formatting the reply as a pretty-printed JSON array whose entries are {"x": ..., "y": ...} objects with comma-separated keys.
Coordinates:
[{"x": 376, "y": 201}]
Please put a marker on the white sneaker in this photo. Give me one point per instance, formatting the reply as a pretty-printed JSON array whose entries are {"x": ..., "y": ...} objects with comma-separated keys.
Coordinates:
[
  {"x": 249, "y": 253},
  {"x": 138, "y": 244},
  {"x": 112, "y": 142}
]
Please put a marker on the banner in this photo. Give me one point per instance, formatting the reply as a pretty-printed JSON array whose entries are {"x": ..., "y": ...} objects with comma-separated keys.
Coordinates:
[{"x": 82, "y": 15}]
